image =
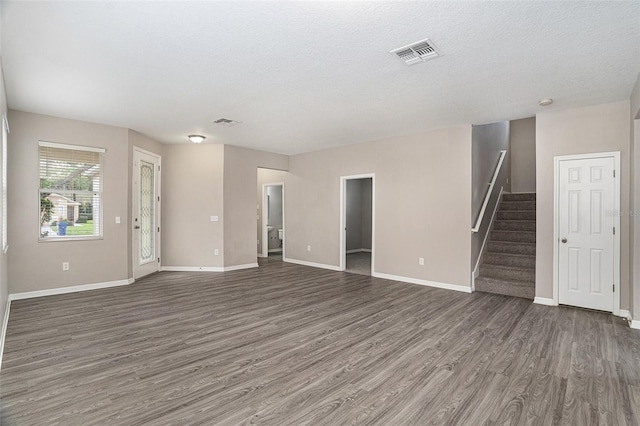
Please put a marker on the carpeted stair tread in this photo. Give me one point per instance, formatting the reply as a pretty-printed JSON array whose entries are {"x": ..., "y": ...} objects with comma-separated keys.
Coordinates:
[
  {"x": 513, "y": 236},
  {"x": 516, "y": 215},
  {"x": 514, "y": 225},
  {"x": 524, "y": 289},
  {"x": 522, "y": 196},
  {"x": 517, "y": 205},
  {"x": 511, "y": 247},
  {"x": 510, "y": 259},
  {"x": 508, "y": 272}
]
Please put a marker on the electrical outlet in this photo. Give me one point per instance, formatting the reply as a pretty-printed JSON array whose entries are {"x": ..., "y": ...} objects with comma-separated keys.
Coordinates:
[
  {"x": 214, "y": 218},
  {"x": 216, "y": 252},
  {"x": 421, "y": 261},
  {"x": 65, "y": 266},
  {"x": 117, "y": 219},
  {"x": 308, "y": 248}
]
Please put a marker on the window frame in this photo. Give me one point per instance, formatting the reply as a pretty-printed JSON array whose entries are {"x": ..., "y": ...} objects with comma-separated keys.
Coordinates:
[
  {"x": 4, "y": 186},
  {"x": 101, "y": 152}
]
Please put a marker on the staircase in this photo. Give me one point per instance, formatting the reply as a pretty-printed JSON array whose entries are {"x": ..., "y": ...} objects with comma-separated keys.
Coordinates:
[{"x": 509, "y": 260}]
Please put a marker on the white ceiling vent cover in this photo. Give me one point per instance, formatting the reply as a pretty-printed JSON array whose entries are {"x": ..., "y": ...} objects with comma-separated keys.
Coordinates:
[
  {"x": 226, "y": 122},
  {"x": 417, "y": 52}
]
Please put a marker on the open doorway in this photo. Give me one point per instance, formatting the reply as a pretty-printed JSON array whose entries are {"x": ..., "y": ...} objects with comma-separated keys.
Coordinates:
[
  {"x": 357, "y": 227},
  {"x": 271, "y": 215},
  {"x": 273, "y": 220}
]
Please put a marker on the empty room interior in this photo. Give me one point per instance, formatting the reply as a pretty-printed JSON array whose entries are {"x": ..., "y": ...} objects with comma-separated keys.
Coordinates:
[{"x": 287, "y": 213}]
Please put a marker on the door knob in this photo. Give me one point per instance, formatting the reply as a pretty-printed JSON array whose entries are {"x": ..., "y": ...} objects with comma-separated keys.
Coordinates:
[{"x": 564, "y": 240}]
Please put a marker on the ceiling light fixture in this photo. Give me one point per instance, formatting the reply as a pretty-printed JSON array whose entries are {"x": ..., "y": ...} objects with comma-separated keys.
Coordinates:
[
  {"x": 196, "y": 138},
  {"x": 545, "y": 102}
]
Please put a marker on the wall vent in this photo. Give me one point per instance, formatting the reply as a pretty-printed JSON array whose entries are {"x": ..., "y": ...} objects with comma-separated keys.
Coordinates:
[
  {"x": 417, "y": 52},
  {"x": 226, "y": 122}
]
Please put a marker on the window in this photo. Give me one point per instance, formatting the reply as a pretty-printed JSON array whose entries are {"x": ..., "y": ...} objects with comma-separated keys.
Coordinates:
[
  {"x": 70, "y": 192},
  {"x": 5, "y": 237}
]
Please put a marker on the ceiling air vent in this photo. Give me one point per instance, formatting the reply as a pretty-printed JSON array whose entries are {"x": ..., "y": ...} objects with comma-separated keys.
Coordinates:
[
  {"x": 417, "y": 52},
  {"x": 226, "y": 122}
]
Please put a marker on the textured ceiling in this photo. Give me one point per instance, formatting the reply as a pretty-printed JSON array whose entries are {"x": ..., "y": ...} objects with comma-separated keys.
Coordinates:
[{"x": 302, "y": 76}]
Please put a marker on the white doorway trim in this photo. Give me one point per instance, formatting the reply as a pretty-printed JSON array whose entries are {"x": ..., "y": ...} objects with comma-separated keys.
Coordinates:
[
  {"x": 616, "y": 220},
  {"x": 158, "y": 211},
  {"x": 265, "y": 210},
  {"x": 343, "y": 218}
]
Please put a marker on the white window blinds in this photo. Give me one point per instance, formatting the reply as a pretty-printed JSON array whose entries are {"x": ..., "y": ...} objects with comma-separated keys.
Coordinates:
[{"x": 70, "y": 191}]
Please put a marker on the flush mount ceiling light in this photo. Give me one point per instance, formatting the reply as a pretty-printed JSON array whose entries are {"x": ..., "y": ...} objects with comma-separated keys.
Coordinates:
[
  {"x": 196, "y": 138},
  {"x": 545, "y": 102}
]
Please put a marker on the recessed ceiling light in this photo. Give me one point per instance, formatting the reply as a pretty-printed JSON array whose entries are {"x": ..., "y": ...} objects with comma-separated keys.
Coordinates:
[
  {"x": 196, "y": 138},
  {"x": 545, "y": 102}
]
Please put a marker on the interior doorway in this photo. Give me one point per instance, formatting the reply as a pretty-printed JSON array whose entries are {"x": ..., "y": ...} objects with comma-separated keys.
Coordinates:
[
  {"x": 145, "y": 213},
  {"x": 357, "y": 224},
  {"x": 273, "y": 219}
]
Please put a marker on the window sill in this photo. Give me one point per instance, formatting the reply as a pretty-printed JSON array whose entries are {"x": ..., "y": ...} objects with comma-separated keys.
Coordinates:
[{"x": 54, "y": 239}]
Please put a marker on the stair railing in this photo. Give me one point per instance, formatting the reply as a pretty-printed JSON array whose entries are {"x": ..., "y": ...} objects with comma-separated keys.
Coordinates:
[{"x": 489, "y": 191}]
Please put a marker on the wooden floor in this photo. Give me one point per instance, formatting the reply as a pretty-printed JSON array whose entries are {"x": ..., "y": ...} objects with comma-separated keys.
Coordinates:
[{"x": 292, "y": 345}]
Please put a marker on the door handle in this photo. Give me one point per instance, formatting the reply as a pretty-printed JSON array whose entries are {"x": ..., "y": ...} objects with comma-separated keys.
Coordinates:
[
  {"x": 136, "y": 227},
  {"x": 564, "y": 241}
]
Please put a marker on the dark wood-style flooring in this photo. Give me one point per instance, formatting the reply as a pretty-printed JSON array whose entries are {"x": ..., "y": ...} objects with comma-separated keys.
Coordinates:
[{"x": 292, "y": 345}]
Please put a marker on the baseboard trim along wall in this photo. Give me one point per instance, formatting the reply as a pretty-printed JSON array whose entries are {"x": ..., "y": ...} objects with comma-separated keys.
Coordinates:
[
  {"x": 635, "y": 324},
  {"x": 544, "y": 301},
  {"x": 446, "y": 286},
  {"x": 70, "y": 289},
  {"x": 5, "y": 322},
  {"x": 312, "y": 264},
  {"x": 207, "y": 268}
]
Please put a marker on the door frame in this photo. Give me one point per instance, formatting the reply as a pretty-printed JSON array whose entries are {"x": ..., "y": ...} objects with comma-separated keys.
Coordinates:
[
  {"x": 343, "y": 218},
  {"x": 265, "y": 209},
  {"x": 616, "y": 221},
  {"x": 134, "y": 254}
]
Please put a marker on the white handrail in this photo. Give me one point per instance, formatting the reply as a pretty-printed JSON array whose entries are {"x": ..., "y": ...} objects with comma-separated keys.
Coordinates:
[{"x": 489, "y": 192}]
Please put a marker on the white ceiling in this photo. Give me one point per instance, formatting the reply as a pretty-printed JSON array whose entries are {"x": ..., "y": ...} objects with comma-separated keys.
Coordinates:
[{"x": 302, "y": 76}]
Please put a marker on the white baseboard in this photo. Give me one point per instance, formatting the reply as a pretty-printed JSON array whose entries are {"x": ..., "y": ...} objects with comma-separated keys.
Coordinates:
[
  {"x": 312, "y": 264},
  {"x": 238, "y": 267},
  {"x": 5, "y": 322},
  {"x": 278, "y": 250},
  {"x": 360, "y": 250},
  {"x": 446, "y": 286},
  {"x": 544, "y": 301},
  {"x": 624, "y": 314},
  {"x": 207, "y": 268},
  {"x": 70, "y": 289},
  {"x": 635, "y": 324}
]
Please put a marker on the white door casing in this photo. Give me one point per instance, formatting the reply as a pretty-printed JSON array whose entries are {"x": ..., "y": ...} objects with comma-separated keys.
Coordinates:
[
  {"x": 264, "y": 246},
  {"x": 146, "y": 213},
  {"x": 587, "y": 229},
  {"x": 343, "y": 218}
]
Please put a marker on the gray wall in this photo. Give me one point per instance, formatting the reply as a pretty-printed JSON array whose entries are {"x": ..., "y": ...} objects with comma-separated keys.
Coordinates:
[
  {"x": 38, "y": 265},
  {"x": 599, "y": 128},
  {"x": 240, "y": 177},
  {"x": 192, "y": 189},
  {"x": 417, "y": 215},
  {"x": 358, "y": 212},
  {"x": 523, "y": 155},
  {"x": 488, "y": 141}
]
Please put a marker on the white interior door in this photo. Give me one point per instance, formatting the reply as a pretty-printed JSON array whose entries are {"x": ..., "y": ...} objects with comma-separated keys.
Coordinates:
[
  {"x": 146, "y": 213},
  {"x": 586, "y": 220}
]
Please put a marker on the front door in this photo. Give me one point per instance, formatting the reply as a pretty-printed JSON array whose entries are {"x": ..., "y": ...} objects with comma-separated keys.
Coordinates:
[
  {"x": 145, "y": 218},
  {"x": 586, "y": 201}
]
